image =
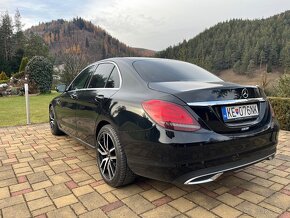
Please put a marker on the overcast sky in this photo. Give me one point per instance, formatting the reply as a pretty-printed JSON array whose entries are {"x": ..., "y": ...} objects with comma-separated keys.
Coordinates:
[{"x": 152, "y": 24}]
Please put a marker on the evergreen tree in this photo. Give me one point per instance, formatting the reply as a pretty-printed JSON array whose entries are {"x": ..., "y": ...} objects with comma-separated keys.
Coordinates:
[{"x": 238, "y": 44}]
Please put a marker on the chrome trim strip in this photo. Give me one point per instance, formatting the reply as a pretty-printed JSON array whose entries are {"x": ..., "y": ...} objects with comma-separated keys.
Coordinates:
[
  {"x": 96, "y": 66},
  {"x": 225, "y": 102},
  {"x": 211, "y": 179},
  {"x": 78, "y": 139},
  {"x": 189, "y": 182}
]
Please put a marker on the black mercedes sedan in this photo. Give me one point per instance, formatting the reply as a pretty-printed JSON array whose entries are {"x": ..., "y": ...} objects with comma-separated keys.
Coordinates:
[{"x": 164, "y": 119}]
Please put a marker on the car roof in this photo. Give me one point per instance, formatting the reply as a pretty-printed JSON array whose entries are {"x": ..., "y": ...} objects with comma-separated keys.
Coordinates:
[{"x": 130, "y": 60}]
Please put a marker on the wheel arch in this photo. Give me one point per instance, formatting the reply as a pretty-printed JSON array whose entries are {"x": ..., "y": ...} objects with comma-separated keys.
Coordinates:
[{"x": 100, "y": 125}]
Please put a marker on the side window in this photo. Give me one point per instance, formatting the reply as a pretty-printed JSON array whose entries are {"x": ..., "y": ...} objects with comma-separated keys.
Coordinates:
[
  {"x": 101, "y": 76},
  {"x": 82, "y": 78},
  {"x": 114, "y": 80}
]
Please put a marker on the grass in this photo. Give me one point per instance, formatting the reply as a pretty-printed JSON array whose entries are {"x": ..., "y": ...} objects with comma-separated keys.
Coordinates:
[{"x": 13, "y": 111}]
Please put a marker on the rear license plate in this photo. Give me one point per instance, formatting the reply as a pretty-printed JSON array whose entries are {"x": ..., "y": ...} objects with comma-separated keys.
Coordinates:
[{"x": 239, "y": 112}]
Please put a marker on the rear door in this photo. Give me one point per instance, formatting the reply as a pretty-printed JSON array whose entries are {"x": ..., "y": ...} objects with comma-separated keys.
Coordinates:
[
  {"x": 67, "y": 103},
  {"x": 104, "y": 82}
]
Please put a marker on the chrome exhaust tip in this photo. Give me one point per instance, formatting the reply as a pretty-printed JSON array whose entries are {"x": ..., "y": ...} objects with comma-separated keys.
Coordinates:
[{"x": 203, "y": 179}]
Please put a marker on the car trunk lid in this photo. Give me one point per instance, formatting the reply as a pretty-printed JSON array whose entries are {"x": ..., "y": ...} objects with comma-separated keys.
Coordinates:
[{"x": 208, "y": 99}]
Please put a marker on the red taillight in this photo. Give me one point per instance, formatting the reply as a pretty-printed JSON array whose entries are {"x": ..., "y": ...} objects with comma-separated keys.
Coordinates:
[{"x": 170, "y": 115}]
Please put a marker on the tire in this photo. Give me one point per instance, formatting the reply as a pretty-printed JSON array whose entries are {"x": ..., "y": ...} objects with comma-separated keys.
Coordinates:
[
  {"x": 111, "y": 158},
  {"x": 53, "y": 123}
]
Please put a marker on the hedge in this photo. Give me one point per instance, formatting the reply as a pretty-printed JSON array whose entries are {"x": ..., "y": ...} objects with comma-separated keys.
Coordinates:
[{"x": 281, "y": 107}]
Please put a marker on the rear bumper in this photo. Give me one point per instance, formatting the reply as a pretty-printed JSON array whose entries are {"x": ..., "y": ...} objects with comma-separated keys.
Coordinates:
[
  {"x": 179, "y": 157},
  {"x": 212, "y": 173}
]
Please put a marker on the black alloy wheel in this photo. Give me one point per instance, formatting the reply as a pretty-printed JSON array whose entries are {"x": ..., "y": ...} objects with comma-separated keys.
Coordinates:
[{"x": 111, "y": 158}]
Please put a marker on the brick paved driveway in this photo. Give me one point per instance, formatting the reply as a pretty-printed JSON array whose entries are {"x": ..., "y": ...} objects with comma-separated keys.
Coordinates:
[{"x": 46, "y": 176}]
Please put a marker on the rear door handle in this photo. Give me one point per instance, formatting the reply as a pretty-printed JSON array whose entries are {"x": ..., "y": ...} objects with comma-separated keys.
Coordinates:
[{"x": 74, "y": 96}]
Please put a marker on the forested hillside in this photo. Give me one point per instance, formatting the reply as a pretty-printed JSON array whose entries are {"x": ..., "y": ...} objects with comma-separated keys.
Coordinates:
[
  {"x": 239, "y": 44},
  {"x": 82, "y": 37}
]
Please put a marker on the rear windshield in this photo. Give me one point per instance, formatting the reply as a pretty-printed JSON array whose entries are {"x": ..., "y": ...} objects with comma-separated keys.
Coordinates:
[{"x": 163, "y": 70}]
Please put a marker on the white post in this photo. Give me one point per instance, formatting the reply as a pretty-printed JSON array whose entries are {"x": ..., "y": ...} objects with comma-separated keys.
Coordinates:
[{"x": 27, "y": 103}]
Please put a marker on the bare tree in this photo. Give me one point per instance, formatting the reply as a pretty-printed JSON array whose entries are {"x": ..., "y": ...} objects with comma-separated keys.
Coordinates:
[{"x": 73, "y": 64}]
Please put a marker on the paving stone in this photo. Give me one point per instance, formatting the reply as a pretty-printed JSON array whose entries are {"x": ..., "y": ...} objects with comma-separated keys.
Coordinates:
[
  {"x": 110, "y": 197},
  {"x": 65, "y": 200},
  {"x": 7, "y": 182},
  {"x": 18, "y": 187},
  {"x": 37, "y": 177},
  {"x": 200, "y": 212},
  {"x": 112, "y": 206},
  {"x": 60, "y": 168},
  {"x": 138, "y": 204},
  {"x": 18, "y": 210},
  {"x": 271, "y": 207},
  {"x": 127, "y": 191},
  {"x": 276, "y": 187},
  {"x": 43, "y": 210},
  {"x": 80, "y": 176},
  {"x": 245, "y": 176},
  {"x": 162, "y": 211},
  {"x": 255, "y": 210},
  {"x": 78, "y": 208},
  {"x": 230, "y": 199},
  {"x": 174, "y": 192},
  {"x": 61, "y": 213},
  {"x": 122, "y": 212},
  {"x": 41, "y": 185},
  {"x": 262, "y": 182},
  {"x": 252, "y": 197},
  {"x": 82, "y": 190},
  {"x": 22, "y": 170},
  {"x": 226, "y": 211},
  {"x": 7, "y": 175},
  {"x": 280, "y": 180},
  {"x": 11, "y": 201},
  {"x": 152, "y": 194},
  {"x": 279, "y": 200},
  {"x": 92, "y": 200},
  {"x": 94, "y": 213},
  {"x": 161, "y": 201},
  {"x": 57, "y": 191},
  {"x": 258, "y": 189},
  {"x": 39, "y": 203},
  {"x": 35, "y": 195},
  {"x": 221, "y": 190},
  {"x": 104, "y": 188},
  {"x": 202, "y": 200},
  {"x": 4, "y": 192},
  {"x": 59, "y": 178},
  {"x": 182, "y": 204}
]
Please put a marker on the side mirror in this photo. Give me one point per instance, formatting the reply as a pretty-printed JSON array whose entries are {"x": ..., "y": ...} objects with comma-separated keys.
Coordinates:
[{"x": 60, "y": 88}]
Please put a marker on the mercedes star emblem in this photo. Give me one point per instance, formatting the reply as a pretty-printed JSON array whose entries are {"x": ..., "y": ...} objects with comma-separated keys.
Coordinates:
[{"x": 245, "y": 93}]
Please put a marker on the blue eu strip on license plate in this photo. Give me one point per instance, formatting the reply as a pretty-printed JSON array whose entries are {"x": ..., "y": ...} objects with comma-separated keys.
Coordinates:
[{"x": 239, "y": 111}]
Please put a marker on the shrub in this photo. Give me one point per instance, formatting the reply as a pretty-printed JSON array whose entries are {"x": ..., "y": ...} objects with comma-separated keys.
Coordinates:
[
  {"x": 3, "y": 76},
  {"x": 283, "y": 87},
  {"x": 281, "y": 107},
  {"x": 39, "y": 70},
  {"x": 24, "y": 62},
  {"x": 19, "y": 75},
  {"x": 4, "y": 81}
]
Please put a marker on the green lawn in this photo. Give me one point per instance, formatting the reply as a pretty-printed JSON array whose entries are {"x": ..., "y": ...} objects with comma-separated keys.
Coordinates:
[{"x": 13, "y": 112}]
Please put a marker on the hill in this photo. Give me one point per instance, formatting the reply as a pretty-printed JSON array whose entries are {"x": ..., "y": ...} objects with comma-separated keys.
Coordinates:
[
  {"x": 243, "y": 45},
  {"x": 82, "y": 37}
]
